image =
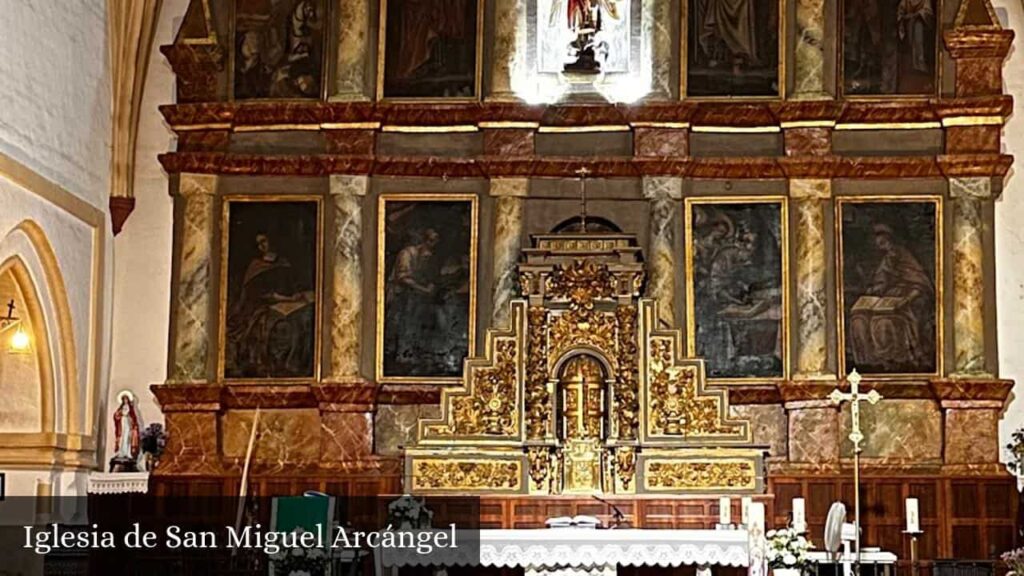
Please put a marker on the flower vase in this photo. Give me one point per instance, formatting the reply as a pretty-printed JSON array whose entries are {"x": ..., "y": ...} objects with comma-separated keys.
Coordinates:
[{"x": 785, "y": 572}]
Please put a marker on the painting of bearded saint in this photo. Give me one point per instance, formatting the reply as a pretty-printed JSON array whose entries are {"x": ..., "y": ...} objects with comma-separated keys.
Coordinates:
[
  {"x": 429, "y": 49},
  {"x": 889, "y": 268},
  {"x": 426, "y": 286},
  {"x": 270, "y": 304},
  {"x": 732, "y": 48},
  {"x": 279, "y": 48},
  {"x": 889, "y": 47},
  {"x": 737, "y": 295}
]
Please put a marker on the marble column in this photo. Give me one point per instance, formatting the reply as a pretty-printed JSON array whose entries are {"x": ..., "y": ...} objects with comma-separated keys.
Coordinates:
[
  {"x": 191, "y": 309},
  {"x": 509, "y": 48},
  {"x": 664, "y": 195},
  {"x": 808, "y": 200},
  {"x": 809, "y": 69},
  {"x": 354, "y": 53},
  {"x": 347, "y": 279},
  {"x": 657, "y": 32},
  {"x": 509, "y": 197},
  {"x": 968, "y": 195}
]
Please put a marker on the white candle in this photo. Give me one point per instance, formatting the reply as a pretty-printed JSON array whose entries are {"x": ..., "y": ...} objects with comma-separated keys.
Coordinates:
[
  {"x": 913, "y": 516},
  {"x": 799, "y": 515},
  {"x": 745, "y": 510},
  {"x": 724, "y": 505}
]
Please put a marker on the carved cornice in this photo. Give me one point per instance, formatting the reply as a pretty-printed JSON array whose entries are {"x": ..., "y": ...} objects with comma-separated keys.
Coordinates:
[
  {"x": 973, "y": 43},
  {"x": 803, "y": 167}
]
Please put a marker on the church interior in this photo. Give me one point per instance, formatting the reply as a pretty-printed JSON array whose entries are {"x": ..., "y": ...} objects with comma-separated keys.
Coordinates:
[{"x": 695, "y": 270}]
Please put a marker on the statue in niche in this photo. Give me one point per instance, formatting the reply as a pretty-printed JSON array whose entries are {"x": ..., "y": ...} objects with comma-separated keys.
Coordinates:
[
  {"x": 126, "y": 434},
  {"x": 278, "y": 49},
  {"x": 582, "y": 423},
  {"x": 588, "y": 50},
  {"x": 733, "y": 48},
  {"x": 430, "y": 49},
  {"x": 889, "y": 47}
]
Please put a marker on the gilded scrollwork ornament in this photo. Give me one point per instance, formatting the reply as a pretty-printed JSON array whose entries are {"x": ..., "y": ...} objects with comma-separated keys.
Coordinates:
[
  {"x": 625, "y": 465},
  {"x": 451, "y": 474},
  {"x": 699, "y": 475},
  {"x": 538, "y": 397},
  {"x": 539, "y": 458},
  {"x": 626, "y": 379},
  {"x": 581, "y": 283},
  {"x": 676, "y": 407}
]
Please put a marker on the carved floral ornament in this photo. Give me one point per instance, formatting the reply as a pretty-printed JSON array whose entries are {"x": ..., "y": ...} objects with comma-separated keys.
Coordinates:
[{"x": 581, "y": 283}]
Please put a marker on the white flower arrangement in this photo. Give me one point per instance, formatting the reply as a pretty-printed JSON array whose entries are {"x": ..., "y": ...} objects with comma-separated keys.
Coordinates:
[
  {"x": 299, "y": 561},
  {"x": 787, "y": 548}
]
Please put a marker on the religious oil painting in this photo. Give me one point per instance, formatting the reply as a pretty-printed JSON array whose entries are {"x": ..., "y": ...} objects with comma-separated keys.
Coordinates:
[
  {"x": 429, "y": 49},
  {"x": 584, "y": 36},
  {"x": 733, "y": 48},
  {"x": 270, "y": 289},
  {"x": 890, "y": 47},
  {"x": 426, "y": 286},
  {"x": 279, "y": 49},
  {"x": 737, "y": 294},
  {"x": 890, "y": 285}
]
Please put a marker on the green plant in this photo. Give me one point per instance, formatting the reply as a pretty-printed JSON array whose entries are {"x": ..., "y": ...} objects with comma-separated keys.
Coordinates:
[{"x": 1016, "y": 450}]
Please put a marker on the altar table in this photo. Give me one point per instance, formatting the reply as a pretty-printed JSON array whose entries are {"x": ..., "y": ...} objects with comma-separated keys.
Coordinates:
[{"x": 576, "y": 551}]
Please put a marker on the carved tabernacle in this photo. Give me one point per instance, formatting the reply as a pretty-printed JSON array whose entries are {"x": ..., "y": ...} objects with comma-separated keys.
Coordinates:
[{"x": 582, "y": 394}]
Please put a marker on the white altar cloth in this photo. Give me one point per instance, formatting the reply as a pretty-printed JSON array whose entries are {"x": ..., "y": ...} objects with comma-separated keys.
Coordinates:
[{"x": 575, "y": 550}]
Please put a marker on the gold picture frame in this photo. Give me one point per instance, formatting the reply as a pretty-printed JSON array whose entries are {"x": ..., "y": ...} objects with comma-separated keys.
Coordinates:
[
  {"x": 936, "y": 201},
  {"x": 840, "y": 56},
  {"x": 382, "y": 26},
  {"x": 326, "y": 61},
  {"x": 691, "y": 305},
  {"x": 225, "y": 244},
  {"x": 382, "y": 203},
  {"x": 684, "y": 56}
]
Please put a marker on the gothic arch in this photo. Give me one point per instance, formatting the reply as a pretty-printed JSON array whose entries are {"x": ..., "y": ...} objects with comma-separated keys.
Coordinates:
[{"x": 26, "y": 252}]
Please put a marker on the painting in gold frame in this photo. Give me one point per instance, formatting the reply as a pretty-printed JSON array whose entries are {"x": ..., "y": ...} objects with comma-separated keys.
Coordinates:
[
  {"x": 889, "y": 285},
  {"x": 279, "y": 50},
  {"x": 737, "y": 286},
  {"x": 429, "y": 49},
  {"x": 735, "y": 56},
  {"x": 270, "y": 289},
  {"x": 426, "y": 286},
  {"x": 890, "y": 48}
]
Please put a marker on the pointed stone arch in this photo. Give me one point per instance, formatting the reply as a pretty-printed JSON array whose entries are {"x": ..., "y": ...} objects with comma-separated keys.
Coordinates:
[{"x": 31, "y": 313}]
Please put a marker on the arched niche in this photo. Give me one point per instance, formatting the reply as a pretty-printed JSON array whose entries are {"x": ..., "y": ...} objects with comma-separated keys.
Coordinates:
[{"x": 26, "y": 377}]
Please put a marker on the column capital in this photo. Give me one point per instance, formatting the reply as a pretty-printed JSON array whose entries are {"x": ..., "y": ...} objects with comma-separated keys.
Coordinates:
[
  {"x": 663, "y": 188},
  {"x": 347, "y": 185},
  {"x": 979, "y": 188},
  {"x": 817, "y": 189},
  {"x": 190, "y": 185},
  {"x": 510, "y": 187}
]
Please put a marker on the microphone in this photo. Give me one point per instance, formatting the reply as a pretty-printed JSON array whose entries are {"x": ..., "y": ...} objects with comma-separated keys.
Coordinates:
[{"x": 617, "y": 516}]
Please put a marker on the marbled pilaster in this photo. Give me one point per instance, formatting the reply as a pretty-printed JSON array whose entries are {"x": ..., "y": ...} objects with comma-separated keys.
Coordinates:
[
  {"x": 659, "y": 14},
  {"x": 346, "y": 293},
  {"x": 664, "y": 195},
  {"x": 353, "y": 54},
  {"x": 191, "y": 309},
  {"x": 509, "y": 47},
  {"x": 809, "y": 197},
  {"x": 968, "y": 274},
  {"x": 509, "y": 197},
  {"x": 809, "y": 73}
]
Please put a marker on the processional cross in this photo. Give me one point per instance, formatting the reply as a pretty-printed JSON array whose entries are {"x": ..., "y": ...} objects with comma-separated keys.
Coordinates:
[
  {"x": 854, "y": 397},
  {"x": 582, "y": 173}
]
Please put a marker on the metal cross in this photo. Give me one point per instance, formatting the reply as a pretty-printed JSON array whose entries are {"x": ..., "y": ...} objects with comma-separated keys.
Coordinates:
[
  {"x": 582, "y": 173},
  {"x": 854, "y": 397}
]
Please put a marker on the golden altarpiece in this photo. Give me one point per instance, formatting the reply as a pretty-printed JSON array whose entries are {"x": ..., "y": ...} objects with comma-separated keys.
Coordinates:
[{"x": 581, "y": 394}]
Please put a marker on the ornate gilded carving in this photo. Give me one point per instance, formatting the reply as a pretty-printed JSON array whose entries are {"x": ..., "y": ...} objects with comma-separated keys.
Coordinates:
[
  {"x": 626, "y": 379},
  {"x": 676, "y": 407},
  {"x": 582, "y": 466},
  {"x": 673, "y": 475},
  {"x": 444, "y": 474},
  {"x": 583, "y": 408},
  {"x": 538, "y": 397},
  {"x": 492, "y": 408},
  {"x": 581, "y": 283},
  {"x": 625, "y": 466},
  {"x": 539, "y": 458},
  {"x": 575, "y": 328}
]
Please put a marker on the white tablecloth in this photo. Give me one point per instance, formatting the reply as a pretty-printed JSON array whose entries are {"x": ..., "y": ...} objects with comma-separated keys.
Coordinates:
[{"x": 582, "y": 548}]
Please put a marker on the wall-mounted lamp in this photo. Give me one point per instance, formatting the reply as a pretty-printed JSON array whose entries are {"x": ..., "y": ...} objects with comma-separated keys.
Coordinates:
[{"x": 20, "y": 341}]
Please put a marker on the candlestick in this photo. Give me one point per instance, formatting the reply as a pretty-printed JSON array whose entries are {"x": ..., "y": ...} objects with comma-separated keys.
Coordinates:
[
  {"x": 724, "y": 512},
  {"x": 745, "y": 503},
  {"x": 913, "y": 516},
  {"x": 799, "y": 515}
]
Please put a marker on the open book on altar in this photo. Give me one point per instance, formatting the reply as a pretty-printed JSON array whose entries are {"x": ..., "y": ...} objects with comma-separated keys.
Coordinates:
[
  {"x": 879, "y": 303},
  {"x": 573, "y": 522}
]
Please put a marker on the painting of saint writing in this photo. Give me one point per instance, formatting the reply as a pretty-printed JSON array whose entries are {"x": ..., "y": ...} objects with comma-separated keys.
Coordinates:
[
  {"x": 279, "y": 47},
  {"x": 270, "y": 309},
  {"x": 733, "y": 48},
  {"x": 889, "y": 47},
  {"x": 427, "y": 276},
  {"x": 736, "y": 277},
  {"x": 889, "y": 287},
  {"x": 430, "y": 49}
]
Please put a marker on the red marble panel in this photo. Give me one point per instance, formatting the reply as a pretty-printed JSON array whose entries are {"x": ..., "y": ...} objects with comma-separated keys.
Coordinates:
[
  {"x": 973, "y": 139},
  {"x": 509, "y": 142},
  {"x": 808, "y": 141},
  {"x": 661, "y": 142},
  {"x": 352, "y": 142},
  {"x": 191, "y": 444},
  {"x": 346, "y": 436},
  {"x": 972, "y": 436},
  {"x": 814, "y": 435}
]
